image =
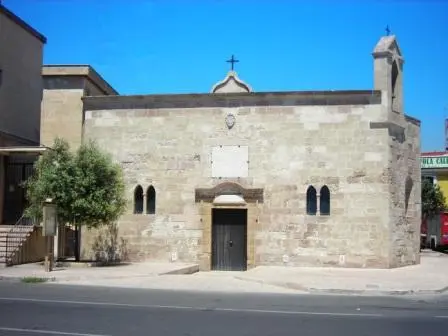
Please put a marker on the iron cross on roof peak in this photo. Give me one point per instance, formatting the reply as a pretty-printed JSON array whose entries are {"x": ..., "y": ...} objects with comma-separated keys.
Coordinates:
[
  {"x": 387, "y": 30},
  {"x": 232, "y": 62}
]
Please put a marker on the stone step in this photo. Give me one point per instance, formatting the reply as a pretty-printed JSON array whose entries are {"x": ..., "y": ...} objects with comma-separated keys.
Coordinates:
[
  {"x": 14, "y": 241},
  {"x": 17, "y": 229},
  {"x": 10, "y": 246},
  {"x": 16, "y": 234},
  {"x": 11, "y": 238},
  {"x": 21, "y": 231},
  {"x": 6, "y": 227}
]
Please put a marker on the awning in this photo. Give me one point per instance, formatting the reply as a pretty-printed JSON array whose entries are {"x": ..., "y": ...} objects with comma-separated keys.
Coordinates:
[
  {"x": 434, "y": 172},
  {"x": 23, "y": 150}
]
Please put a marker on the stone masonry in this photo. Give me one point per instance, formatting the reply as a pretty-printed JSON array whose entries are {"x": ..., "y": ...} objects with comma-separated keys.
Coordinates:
[
  {"x": 62, "y": 107},
  {"x": 358, "y": 143}
]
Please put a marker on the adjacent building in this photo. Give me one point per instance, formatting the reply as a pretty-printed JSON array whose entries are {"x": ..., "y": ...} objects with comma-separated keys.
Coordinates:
[
  {"x": 435, "y": 168},
  {"x": 62, "y": 106},
  {"x": 21, "y": 50}
]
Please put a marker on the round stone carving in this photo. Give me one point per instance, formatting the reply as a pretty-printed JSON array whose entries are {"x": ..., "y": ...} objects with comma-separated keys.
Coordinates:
[{"x": 230, "y": 120}]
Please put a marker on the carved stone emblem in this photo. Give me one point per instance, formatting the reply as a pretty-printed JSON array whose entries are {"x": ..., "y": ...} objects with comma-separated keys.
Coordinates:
[{"x": 230, "y": 120}]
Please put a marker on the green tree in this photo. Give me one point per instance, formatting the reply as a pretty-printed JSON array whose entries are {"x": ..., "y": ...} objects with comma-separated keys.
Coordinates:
[
  {"x": 53, "y": 178},
  {"x": 98, "y": 193},
  {"x": 433, "y": 200},
  {"x": 87, "y": 186}
]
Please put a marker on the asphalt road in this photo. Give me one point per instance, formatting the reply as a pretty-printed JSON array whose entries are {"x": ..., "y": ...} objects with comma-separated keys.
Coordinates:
[{"x": 49, "y": 309}]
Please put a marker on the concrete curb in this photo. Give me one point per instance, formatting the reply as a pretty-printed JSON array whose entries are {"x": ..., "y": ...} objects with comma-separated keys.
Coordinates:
[
  {"x": 183, "y": 270},
  {"x": 311, "y": 290},
  {"x": 73, "y": 264},
  {"x": 190, "y": 269}
]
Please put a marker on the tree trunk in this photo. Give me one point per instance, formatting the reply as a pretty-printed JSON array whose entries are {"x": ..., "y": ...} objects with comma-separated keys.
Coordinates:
[{"x": 77, "y": 245}]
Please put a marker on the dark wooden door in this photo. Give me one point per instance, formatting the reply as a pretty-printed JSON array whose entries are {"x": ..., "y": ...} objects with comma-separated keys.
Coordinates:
[{"x": 229, "y": 232}]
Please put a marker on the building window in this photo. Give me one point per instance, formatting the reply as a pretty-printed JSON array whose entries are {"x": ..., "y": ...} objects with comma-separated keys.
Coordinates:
[
  {"x": 138, "y": 200},
  {"x": 407, "y": 192},
  {"x": 394, "y": 78},
  {"x": 151, "y": 200},
  {"x": 324, "y": 201},
  {"x": 311, "y": 201}
]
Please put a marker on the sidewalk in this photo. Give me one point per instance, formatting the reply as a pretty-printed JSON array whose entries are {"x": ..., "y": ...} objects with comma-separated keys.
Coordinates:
[
  {"x": 80, "y": 273},
  {"x": 164, "y": 276},
  {"x": 430, "y": 277}
]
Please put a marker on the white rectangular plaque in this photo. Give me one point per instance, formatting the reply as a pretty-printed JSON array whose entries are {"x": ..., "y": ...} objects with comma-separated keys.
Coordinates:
[{"x": 230, "y": 161}]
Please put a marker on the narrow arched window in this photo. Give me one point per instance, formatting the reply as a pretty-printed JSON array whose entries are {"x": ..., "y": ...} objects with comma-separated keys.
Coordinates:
[
  {"x": 151, "y": 200},
  {"x": 324, "y": 200},
  {"x": 138, "y": 200},
  {"x": 394, "y": 77},
  {"x": 311, "y": 201},
  {"x": 407, "y": 192}
]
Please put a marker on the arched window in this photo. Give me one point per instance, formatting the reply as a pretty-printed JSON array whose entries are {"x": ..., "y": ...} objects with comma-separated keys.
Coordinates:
[
  {"x": 394, "y": 77},
  {"x": 151, "y": 200},
  {"x": 138, "y": 200},
  {"x": 324, "y": 200},
  {"x": 311, "y": 201},
  {"x": 407, "y": 191}
]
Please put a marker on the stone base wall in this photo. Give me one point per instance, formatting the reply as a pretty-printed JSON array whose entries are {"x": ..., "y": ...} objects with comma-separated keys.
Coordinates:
[
  {"x": 352, "y": 236},
  {"x": 405, "y": 191}
]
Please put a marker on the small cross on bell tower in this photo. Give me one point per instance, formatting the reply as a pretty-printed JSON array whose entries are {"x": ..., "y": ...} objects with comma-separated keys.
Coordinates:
[{"x": 232, "y": 61}]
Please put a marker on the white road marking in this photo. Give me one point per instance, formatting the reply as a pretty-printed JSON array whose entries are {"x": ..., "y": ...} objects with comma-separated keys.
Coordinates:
[
  {"x": 441, "y": 316},
  {"x": 47, "y": 332},
  {"x": 238, "y": 310}
]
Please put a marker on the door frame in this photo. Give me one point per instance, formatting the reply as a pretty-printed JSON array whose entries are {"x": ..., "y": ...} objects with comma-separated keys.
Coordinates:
[
  {"x": 243, "y": 212},
  {"x": 206, "y": 210},
  {"x": 252, "y": 200}
]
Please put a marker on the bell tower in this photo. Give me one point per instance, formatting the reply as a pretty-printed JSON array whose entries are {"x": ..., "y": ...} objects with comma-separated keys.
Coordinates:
[{"x": 388, "y": 71}]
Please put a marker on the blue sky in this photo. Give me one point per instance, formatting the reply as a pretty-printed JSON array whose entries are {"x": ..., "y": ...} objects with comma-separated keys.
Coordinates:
[{"x": 180, "y": 46}]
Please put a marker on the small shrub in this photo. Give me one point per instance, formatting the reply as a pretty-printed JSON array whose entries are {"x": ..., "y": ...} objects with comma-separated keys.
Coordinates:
[{"x": 31, "y": 279}]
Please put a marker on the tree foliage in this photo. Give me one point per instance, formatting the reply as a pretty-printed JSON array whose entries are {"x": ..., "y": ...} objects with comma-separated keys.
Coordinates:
[
  {"x": 86, "y": 186},
  {"x": 433, "y": 200}
]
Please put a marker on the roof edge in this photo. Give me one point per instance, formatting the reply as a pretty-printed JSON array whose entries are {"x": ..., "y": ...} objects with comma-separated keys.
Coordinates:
[
  {"x": 237, "y": 99},
  {"x": 231, "y": 75},
  {"x": 432, "y": 153},
  {"x": 84, "y": 70},
  {"x": 22, "y": 24}
]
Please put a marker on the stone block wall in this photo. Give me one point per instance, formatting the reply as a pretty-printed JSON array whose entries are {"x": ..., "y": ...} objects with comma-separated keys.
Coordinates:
[
  {"x": 405, "y": 192},
  {"x": 62, "y": 110},
  {"x": 21, "y": 56},
  {"x": 290, "y": 148}
]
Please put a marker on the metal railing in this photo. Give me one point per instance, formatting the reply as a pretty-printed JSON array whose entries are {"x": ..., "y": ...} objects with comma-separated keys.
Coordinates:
[{"x": 15, "y": 238}]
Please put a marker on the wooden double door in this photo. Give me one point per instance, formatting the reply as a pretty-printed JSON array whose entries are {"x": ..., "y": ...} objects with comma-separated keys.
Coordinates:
[{"x": 229, "y": 239}]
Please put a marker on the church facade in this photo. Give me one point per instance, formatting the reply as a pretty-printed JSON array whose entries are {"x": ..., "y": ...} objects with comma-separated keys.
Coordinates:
[{"x": 234, "y": 178}]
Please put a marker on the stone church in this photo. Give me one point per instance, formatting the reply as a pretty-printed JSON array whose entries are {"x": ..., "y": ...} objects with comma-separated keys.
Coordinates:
[{"x": 236, "y": 178}]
